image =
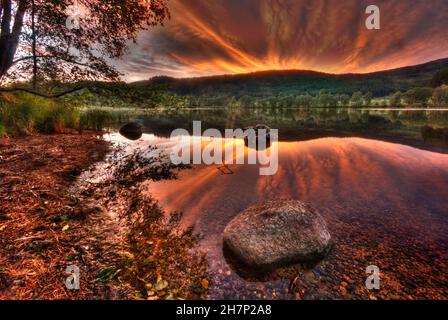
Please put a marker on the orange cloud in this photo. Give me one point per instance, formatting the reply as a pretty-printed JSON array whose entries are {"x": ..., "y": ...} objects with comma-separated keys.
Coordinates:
[{"x": 234, "y": 36}]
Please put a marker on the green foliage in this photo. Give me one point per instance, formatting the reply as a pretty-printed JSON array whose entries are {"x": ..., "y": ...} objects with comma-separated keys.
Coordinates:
[
  {"x": 123, "y": 95},
  {"x": 344, "y": 100},
  {"x": 326, "y": 99},
  {"x": 304, "y": 100},
  {"x": 26, "y": 113},
  {"x": 260, "y": 86},
  {"x": 321, "y": 100},
  {"x": 3, "y": 131},
  {"x": 417, "y": 96},
  {"x": 395, "y": 99},
  {"x": 368, "y": 99},
  {"x": 99, "y": 118},
  {"x": 95, "y": 119},
  {"x": 56, "y": 119},
  {"x": 107, "y": 274},
  {"x": 440, "y": 96},
  {"x": 293, "y": 88},
  {"x": 357, "y": 99}
]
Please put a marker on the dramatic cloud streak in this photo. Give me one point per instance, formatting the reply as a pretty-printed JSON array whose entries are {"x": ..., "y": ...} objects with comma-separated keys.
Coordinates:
[{"x": 231, "y": 36}]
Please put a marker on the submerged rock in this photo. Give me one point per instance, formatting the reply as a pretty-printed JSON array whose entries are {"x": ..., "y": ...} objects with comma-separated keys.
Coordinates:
[
  {"x": 132, "y": 131},
  {"x": 277, "y": 234},
  {"x": 259, "y": 137}
]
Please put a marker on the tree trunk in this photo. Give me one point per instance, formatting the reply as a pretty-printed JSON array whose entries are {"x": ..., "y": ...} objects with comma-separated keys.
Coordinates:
[
  {"x": 33, "y": 30},
  {"x": 5, "y": 34},
  {"x": 9, "y": 39}
]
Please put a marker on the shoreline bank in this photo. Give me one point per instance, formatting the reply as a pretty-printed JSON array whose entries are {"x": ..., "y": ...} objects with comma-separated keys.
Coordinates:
[
  {"x": 52, "y": 217},
  {"x": 35, "y": 212}
]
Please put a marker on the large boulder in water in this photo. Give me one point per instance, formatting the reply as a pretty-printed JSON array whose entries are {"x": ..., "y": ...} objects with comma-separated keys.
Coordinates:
[
  {"x": 132, "y": 131},
  {"x": 277, "y": 234}
]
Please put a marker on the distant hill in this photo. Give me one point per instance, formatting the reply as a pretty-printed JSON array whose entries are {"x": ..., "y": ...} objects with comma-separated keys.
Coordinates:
[{"x": 295, "y": 82}]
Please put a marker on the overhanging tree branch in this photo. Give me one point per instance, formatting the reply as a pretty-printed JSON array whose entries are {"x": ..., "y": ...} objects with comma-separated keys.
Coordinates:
[
  {"x": 50, "y": 57},
  {"x": 106, "y": 29},
  {"x": 43, "y": 95}
]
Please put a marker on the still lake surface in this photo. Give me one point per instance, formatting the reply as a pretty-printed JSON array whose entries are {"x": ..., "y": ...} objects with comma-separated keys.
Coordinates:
[{"x": 378, "y": 178}]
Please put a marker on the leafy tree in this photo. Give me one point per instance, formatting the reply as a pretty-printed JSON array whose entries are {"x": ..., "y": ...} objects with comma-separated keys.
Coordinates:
[
  {"x": 36, "y": 40},
  {"x": 245, "y": 101},
  {"x": 344, "y": 100},
  {"x": 417, "y": 96},
  {"x": 357, "y": 99},
  {"x": 304, "y": 100},
  {"x": 326, "y": 99},
  {"x": 368, "y": 98},
  {"x": 440, "y": 96},
  {"x": 395, "y": 99}
]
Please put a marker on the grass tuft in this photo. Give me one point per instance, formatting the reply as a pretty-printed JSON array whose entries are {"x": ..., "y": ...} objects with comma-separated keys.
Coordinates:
[{"x": 24, "y": 113}]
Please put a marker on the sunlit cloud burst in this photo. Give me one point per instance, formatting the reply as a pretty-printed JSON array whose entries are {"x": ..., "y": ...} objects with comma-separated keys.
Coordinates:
[{"x": 235, "y": 36}]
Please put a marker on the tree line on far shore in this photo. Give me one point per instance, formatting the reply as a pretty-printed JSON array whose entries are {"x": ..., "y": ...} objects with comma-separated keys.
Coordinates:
[{"x": 422, "y": 97}]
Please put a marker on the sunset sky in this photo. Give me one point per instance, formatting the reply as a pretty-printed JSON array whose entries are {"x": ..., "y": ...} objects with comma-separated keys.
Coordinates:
[{"x": 206, "y": 37}]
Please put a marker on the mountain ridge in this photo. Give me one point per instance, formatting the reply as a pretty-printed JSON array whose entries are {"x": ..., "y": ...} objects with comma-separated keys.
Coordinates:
[
  {"x": 295, "y": 81},
  {"x": 442, "y": 61}
]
